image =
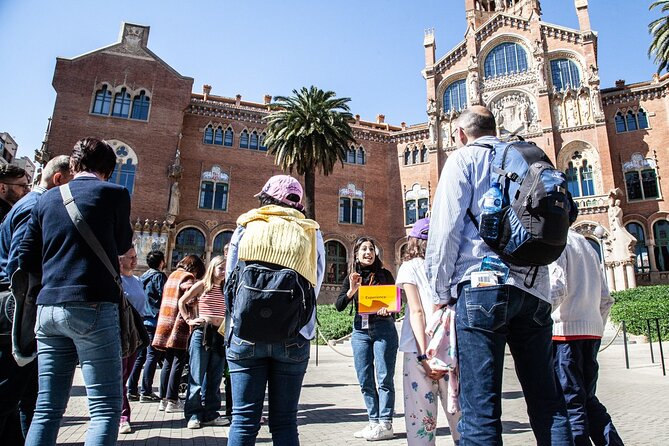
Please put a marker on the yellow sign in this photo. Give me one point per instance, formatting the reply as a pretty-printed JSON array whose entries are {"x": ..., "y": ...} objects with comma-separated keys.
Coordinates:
[{"x": 372, "y": 298}]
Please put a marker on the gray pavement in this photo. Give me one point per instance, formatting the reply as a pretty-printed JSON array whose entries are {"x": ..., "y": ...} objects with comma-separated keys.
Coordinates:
[{"x": 331, "y": 406}]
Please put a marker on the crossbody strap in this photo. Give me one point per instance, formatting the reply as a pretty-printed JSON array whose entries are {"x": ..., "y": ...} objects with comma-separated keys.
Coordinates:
[{"x": 86, "y": 231}]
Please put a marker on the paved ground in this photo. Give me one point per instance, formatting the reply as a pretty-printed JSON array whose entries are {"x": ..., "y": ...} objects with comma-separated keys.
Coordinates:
[{"x": 331, "y": 406}]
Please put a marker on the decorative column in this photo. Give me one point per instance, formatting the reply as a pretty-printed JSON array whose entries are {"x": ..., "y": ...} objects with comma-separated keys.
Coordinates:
[
  {"x": 631, "y": 275},
  {"x": 651, "y": 256},
  {"x": 610, "y": 278}
]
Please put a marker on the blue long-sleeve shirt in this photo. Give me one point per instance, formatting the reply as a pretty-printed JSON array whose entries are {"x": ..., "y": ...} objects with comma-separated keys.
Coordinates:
[
  {"x": 454, "y": 247},
  {"x": 12, "y": 229}
]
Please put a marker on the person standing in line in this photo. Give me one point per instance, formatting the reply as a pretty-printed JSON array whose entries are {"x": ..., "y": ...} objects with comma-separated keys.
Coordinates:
[
  {"x": 153, "y": 281},
  {"x": 424, "y": 387},
  {"x": 206, "y": 349},
  {"x": 134, "y": 292},
  {"x": 580, "y": 309},
  {"x": 13, "y": 186},
  {"x": 78, "y": 311},
  {"x": 374, "y": 341},
  {"x": 488, "y": 318},
  {"x": 18, "y": 385},
  {"x": 276, "y": 233},
  {"x": 172, "y": 331}
]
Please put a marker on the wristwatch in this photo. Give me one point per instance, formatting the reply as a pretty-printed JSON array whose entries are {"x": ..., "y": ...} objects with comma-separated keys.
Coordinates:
[{"x": 422, "y": 358}]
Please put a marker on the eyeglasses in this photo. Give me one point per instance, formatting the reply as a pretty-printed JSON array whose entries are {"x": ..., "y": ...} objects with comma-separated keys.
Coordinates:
[{"x": 23, "y": 185}]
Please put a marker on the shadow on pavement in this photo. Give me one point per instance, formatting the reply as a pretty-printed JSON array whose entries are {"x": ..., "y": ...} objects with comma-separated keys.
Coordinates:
[{"x": 515, "y": 427}]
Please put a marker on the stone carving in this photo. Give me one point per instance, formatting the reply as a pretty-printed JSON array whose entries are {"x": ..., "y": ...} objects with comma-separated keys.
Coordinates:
[
  {"x": 499, "y": 5},
  {"x": 558, "y": 114},
  {"x": 432, "y": 127},
  {"x": 514, "y": 112},
  {"x": 431, "y": 107},
  {"x": 538, "y": 48},
  {"x": 571, "y": 111},
  {"x": 596, "y": 102},
  {"x": 173, "y": 210},
  {"x": 622, "y": 241},
  {"x": 541, "y": 72},
  {"x": 593, "y": 76},
  {"x": 474, "y": 88},
  {"x": 473, "y": 62},
  {"x": 584, "y": 107}
]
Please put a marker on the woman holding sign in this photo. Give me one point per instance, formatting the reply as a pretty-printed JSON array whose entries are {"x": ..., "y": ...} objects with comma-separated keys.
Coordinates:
[{"x": 374, "y": 341}]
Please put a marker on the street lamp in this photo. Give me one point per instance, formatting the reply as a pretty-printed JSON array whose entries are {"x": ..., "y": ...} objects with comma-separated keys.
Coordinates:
[{"x": 599, "y": 233}]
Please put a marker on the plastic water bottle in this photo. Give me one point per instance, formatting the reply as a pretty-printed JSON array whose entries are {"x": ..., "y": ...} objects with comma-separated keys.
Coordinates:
[{"x": 492, "y": 204}]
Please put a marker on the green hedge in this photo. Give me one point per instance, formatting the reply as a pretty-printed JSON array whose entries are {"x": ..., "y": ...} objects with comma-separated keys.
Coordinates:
[
  {"x": 334, "y": 324},
  {"x": 636, "y": 305}
]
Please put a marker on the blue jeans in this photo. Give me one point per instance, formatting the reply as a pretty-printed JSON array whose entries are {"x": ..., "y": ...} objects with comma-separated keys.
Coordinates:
[
  {"x": 206, "y": 367},
  {"x": 88, "y": 333},
  {"x": 147, "y": 360},
  {"x": 577, "y": 370},
  {"x": 279, "y": 366},
  {"x": 375, "y": 353},
  {"x": 488, "y": 318},
  {"x": 170, "y": 373}
]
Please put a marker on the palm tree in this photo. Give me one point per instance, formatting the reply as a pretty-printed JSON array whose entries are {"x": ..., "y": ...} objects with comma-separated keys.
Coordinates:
[
  {"x": 309, "y": 132},
  {"x": 659, "y": 30}
]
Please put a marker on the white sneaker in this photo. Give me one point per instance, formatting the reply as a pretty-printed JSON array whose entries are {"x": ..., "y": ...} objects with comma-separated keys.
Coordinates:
[
  {"x": 382, "y": 431},
  {"x": 220, "y": 421},
  {"x": 162, "y": 405},
  {"x": 194, "y": 423},
  {"x": 367, "y": 430},
  {"x": 124, "y": 428},
  {"x": 174, "y": 407}
]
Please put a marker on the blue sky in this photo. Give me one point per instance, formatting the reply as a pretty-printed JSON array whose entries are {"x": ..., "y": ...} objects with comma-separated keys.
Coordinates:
[{"x": 368, "y": 50}]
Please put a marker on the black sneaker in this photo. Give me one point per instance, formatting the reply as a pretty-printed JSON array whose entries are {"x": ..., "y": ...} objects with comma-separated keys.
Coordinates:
[
  {"x": 150, "y": 398},
  {"x": 133, "y": 396}
]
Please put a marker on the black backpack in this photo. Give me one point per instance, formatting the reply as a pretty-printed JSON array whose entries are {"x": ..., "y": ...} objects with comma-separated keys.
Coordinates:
[
  {"x": 268, "y": 302},
  {"x": 537, "y": 208}
]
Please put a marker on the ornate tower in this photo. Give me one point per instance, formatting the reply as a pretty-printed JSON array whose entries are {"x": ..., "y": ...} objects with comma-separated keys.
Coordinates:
[{"x": 479, "y": 11}]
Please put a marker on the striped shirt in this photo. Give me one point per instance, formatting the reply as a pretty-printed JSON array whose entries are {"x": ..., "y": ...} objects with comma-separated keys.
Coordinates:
[
  {"x": 454, "y": 247},
  {"x": 212, "y": 303}
]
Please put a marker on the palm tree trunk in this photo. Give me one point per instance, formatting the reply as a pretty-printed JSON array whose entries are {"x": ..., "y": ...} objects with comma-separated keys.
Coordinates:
[{"x": 309, "y": 193}]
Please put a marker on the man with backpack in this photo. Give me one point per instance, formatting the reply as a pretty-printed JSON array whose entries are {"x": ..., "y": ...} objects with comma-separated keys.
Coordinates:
[
  {"x": 275, "y": 268},
  {"x": 499, "y": 302}
]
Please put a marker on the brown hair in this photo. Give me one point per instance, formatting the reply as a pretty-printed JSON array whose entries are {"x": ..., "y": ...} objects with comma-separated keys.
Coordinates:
[
  {"x": 415, "y": 248},
  {"x": 193, "y": 264},
  {"x": 93, "y": 155}
]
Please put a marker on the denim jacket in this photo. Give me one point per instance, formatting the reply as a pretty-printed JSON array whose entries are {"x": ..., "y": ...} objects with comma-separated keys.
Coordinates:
[{"x": 153, "y": 281}]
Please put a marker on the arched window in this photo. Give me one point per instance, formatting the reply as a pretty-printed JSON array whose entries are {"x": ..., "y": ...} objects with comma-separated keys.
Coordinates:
[
  {"x": 620, "y": 123},
  {"x": 565, "y": 74},
  {"x": 351, "y": 205},
  {"x": 244, "y": 139},
  {"x": 350, "y": 155},
  {"x": 587, "y": 184},
  {"x": 263, "y": 147},
  {"x": 661, "y": 232},
  {"x": 414, "y": 155},
  {"x": 189, "y": 241},
  {"x": 218, "y": 136},
  {"x": 227, "y": 138},
  {"x": 336, "y": 263},
  {"x": 631, "y": 121},
  {"x": 407, "y": 156},
  {"x": 642, "y": 264},
  {"x": 455, "y": 96},
  {"x": 506, "y": 58},
  {"x": 360, "y": 156},
  {"x": 641, "y": 178},
  {"x": 124, "y": 174},
  {"x": 214, "y": 189},
  {"x": 140, "y": 106},
  {"x": 222, "y": 239},
  {"x": 416, "y": 204},
  {"x": 102, "y": 103},
  {"x": 423, "y": 154},
  {"x": 126, "y": 166},
  {"x": 254, "y": 140},
  {"x": 572, "y": 180},
  {"x": 209, "y": 135},
  {"x": 642, "y": 118},
  {"x": 121, "y": 104}
]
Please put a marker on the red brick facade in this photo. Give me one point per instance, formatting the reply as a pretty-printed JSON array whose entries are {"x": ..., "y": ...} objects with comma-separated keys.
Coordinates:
[{"x": 574, "y": 125}]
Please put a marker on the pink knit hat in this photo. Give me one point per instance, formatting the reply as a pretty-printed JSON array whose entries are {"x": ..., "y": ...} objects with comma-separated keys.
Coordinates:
[{"x": 280, "y": 186}]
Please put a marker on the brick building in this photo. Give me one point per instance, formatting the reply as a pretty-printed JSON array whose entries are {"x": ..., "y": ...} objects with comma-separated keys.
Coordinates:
[{"x": 193, "y": 161}]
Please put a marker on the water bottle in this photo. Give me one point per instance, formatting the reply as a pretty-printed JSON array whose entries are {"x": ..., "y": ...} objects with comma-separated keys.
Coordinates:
[{"x": 490, "y": 217}]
